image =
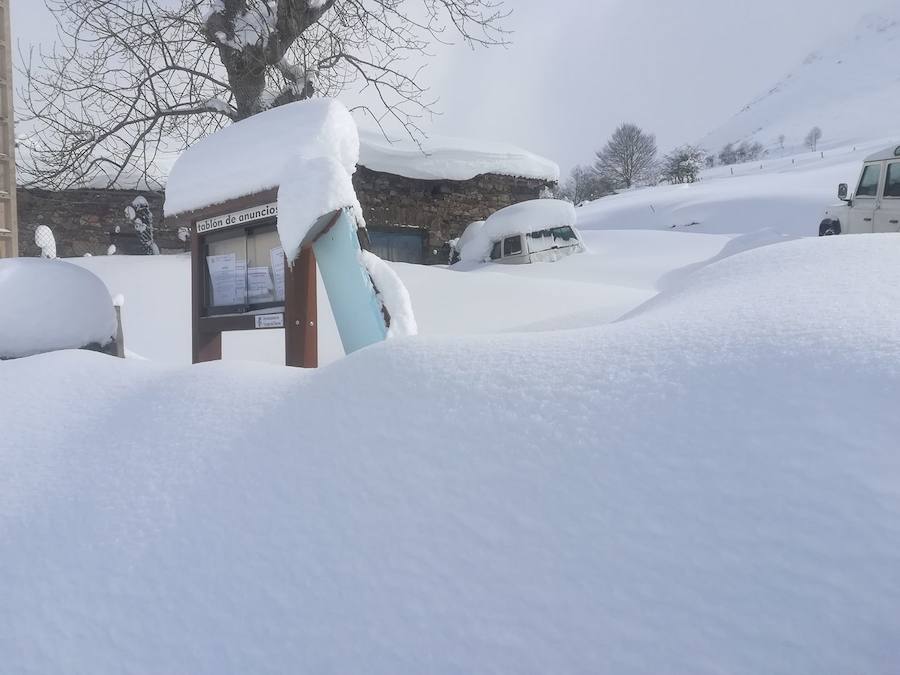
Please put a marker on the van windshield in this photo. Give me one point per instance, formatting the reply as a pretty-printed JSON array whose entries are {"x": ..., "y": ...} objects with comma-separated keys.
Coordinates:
[
  {"x": 868, "y": 184},
  {"x": 553, "y": 237}
]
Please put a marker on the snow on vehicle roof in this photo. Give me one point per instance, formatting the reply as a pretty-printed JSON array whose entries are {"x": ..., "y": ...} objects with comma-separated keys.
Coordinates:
[
  {"x": 893, "y": 152},
  {"x": 46, "y": 305},
  {"x": 250, "y": 156},
  {"x": 448, "y": 158},
  {"x": 524, "y": 217}
]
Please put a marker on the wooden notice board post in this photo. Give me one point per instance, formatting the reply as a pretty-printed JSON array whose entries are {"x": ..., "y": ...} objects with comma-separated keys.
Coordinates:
[{"x": 241, "y": 280}]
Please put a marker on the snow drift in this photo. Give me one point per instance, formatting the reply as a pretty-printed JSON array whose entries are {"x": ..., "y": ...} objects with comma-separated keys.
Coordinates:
[
  {"x": 50, "y": 304},
  {"x": 707, "y": 486}
]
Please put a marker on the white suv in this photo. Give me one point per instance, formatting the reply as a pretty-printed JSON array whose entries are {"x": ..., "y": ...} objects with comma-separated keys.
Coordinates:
[{"x": 875, "y": 206}]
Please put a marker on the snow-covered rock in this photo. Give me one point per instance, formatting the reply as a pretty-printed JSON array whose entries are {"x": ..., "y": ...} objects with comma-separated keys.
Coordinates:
[
  {"x": 47, "y": 305},
  {"x": 708, "y": 486}
]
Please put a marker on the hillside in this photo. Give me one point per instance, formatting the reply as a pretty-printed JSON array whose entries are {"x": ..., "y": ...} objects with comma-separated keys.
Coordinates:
[{"x": 849, "y": 87}]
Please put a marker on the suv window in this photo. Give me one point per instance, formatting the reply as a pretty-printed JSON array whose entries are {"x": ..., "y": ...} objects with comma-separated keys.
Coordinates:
[
  {"x": 512, "y": 245},
  {"x": 868, "y": 184},
  {"x": 892, "y": 182},
  {"x": 495, "y": 251}
]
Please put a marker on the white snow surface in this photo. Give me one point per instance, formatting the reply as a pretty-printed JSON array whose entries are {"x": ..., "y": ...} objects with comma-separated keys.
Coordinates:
[
  {"x": 51, "y": 304},
  {"x": 309, "y": 189},
  {"x": 393, "y": 295},
  {"x": 829, "y": 89},
  {"x": 709, "y": 485},
  {"x": 449, "y": 158},
  {"x": 252, "y": 155}
]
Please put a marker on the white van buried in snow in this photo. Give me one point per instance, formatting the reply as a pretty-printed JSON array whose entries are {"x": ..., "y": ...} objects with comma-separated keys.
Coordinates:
[
  {"x": 540, "y": 230},
  {"x": 875, "y": 205}
]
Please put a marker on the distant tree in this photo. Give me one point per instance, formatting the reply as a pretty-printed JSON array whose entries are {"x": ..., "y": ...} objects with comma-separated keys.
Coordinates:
[
  {"x": 813, "y": 138},
  {"x": 745, "y": 152},
  {"x": 584, "y": 184},
  {"x": 628, "y": 158},
  {"x": 683, "y": 164},
  {"x": 710, "y": 160},
  {"x": 727, "y": 155},
  {"x": 781, "y": 140}
]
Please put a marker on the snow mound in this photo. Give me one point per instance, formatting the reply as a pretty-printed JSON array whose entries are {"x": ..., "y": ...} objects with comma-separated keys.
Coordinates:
[
  {"x": 448, "y": 158},
  {"x": 250, "y": 156},
  {"x": 709, "y": 486},
  {"x": 393, "y": 295},
  {"x": 829, "y": 89},
  {"x": 47, "y": 305}
]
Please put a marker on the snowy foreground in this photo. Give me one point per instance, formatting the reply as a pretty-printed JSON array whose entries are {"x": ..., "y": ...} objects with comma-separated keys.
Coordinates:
[{"x": 709, "y": 485}]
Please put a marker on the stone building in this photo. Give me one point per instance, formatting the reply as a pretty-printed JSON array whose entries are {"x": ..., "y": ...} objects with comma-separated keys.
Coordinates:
[{"x": 415, "y": 199}]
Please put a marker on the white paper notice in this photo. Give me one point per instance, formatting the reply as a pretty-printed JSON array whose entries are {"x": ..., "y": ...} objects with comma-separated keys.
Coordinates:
[
  {"x": 240, "y": 282},
  {"x": 259, "y": 282},
  {"x": 222, "y": 277},
  {"x": 277, "y": 256}
]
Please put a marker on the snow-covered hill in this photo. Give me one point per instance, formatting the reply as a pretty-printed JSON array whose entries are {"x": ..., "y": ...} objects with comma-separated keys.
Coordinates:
[
  {"x": 849, "y": 87},
  {"x": 786, "y": 195}
]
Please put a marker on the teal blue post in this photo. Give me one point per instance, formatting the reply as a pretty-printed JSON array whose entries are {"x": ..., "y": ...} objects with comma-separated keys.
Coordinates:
[{"x": 356, "y": 309}]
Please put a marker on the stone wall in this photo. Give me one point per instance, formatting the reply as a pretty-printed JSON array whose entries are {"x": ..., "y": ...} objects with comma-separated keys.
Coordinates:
[
  {"x": 83, "y": 221},
  {"x": 442, "y": 208}
]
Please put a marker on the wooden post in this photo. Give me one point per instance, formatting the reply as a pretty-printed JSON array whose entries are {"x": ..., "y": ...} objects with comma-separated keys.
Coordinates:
[
  {"x": 206, "y": 346},
  {"x": 9, "y": 229},
  {"x": 300, "y": 312},
  {"x": 120, "y": 334}
]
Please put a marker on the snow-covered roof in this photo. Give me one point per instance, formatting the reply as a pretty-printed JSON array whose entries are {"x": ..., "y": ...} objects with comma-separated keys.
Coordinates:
[
  {"x": 46, "y": 305},
  {"x": 893, "y": 152},
  {"x": 251, "y": 156},
  {"x": 449, "y": 158}
]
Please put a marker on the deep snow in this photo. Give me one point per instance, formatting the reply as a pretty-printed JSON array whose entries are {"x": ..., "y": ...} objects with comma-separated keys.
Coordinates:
[
  {"x": 48, "y": 304},
  {"x": 707, "y": 486}
]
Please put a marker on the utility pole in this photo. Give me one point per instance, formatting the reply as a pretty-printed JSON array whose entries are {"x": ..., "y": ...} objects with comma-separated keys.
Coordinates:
[{"x": 9, "y": 228}]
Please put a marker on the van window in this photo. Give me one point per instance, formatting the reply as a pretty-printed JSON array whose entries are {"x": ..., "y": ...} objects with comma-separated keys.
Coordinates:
[
  {"x": 565, "y": 233},
  {"x": 892, "y": 182},
  {"x": 495, "y": 251},
  {"x": 868, "y": 184},
  {"x": 512, "y": 246}
]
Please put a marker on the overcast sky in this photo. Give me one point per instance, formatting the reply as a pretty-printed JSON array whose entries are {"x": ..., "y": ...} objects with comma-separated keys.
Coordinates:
[{"x": 577, "y": 68}]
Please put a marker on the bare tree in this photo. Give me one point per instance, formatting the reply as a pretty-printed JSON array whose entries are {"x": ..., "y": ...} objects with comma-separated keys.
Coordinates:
[
  {"x": 584, "y": 184},
  {"x": 628, "y": 158},
  {"x": 129, "y": 79},
  {"x": 813, "y": 138}
]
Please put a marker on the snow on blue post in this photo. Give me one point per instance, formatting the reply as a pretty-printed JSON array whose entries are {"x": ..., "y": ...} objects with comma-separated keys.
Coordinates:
[{"x": 354, "y": 303}]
